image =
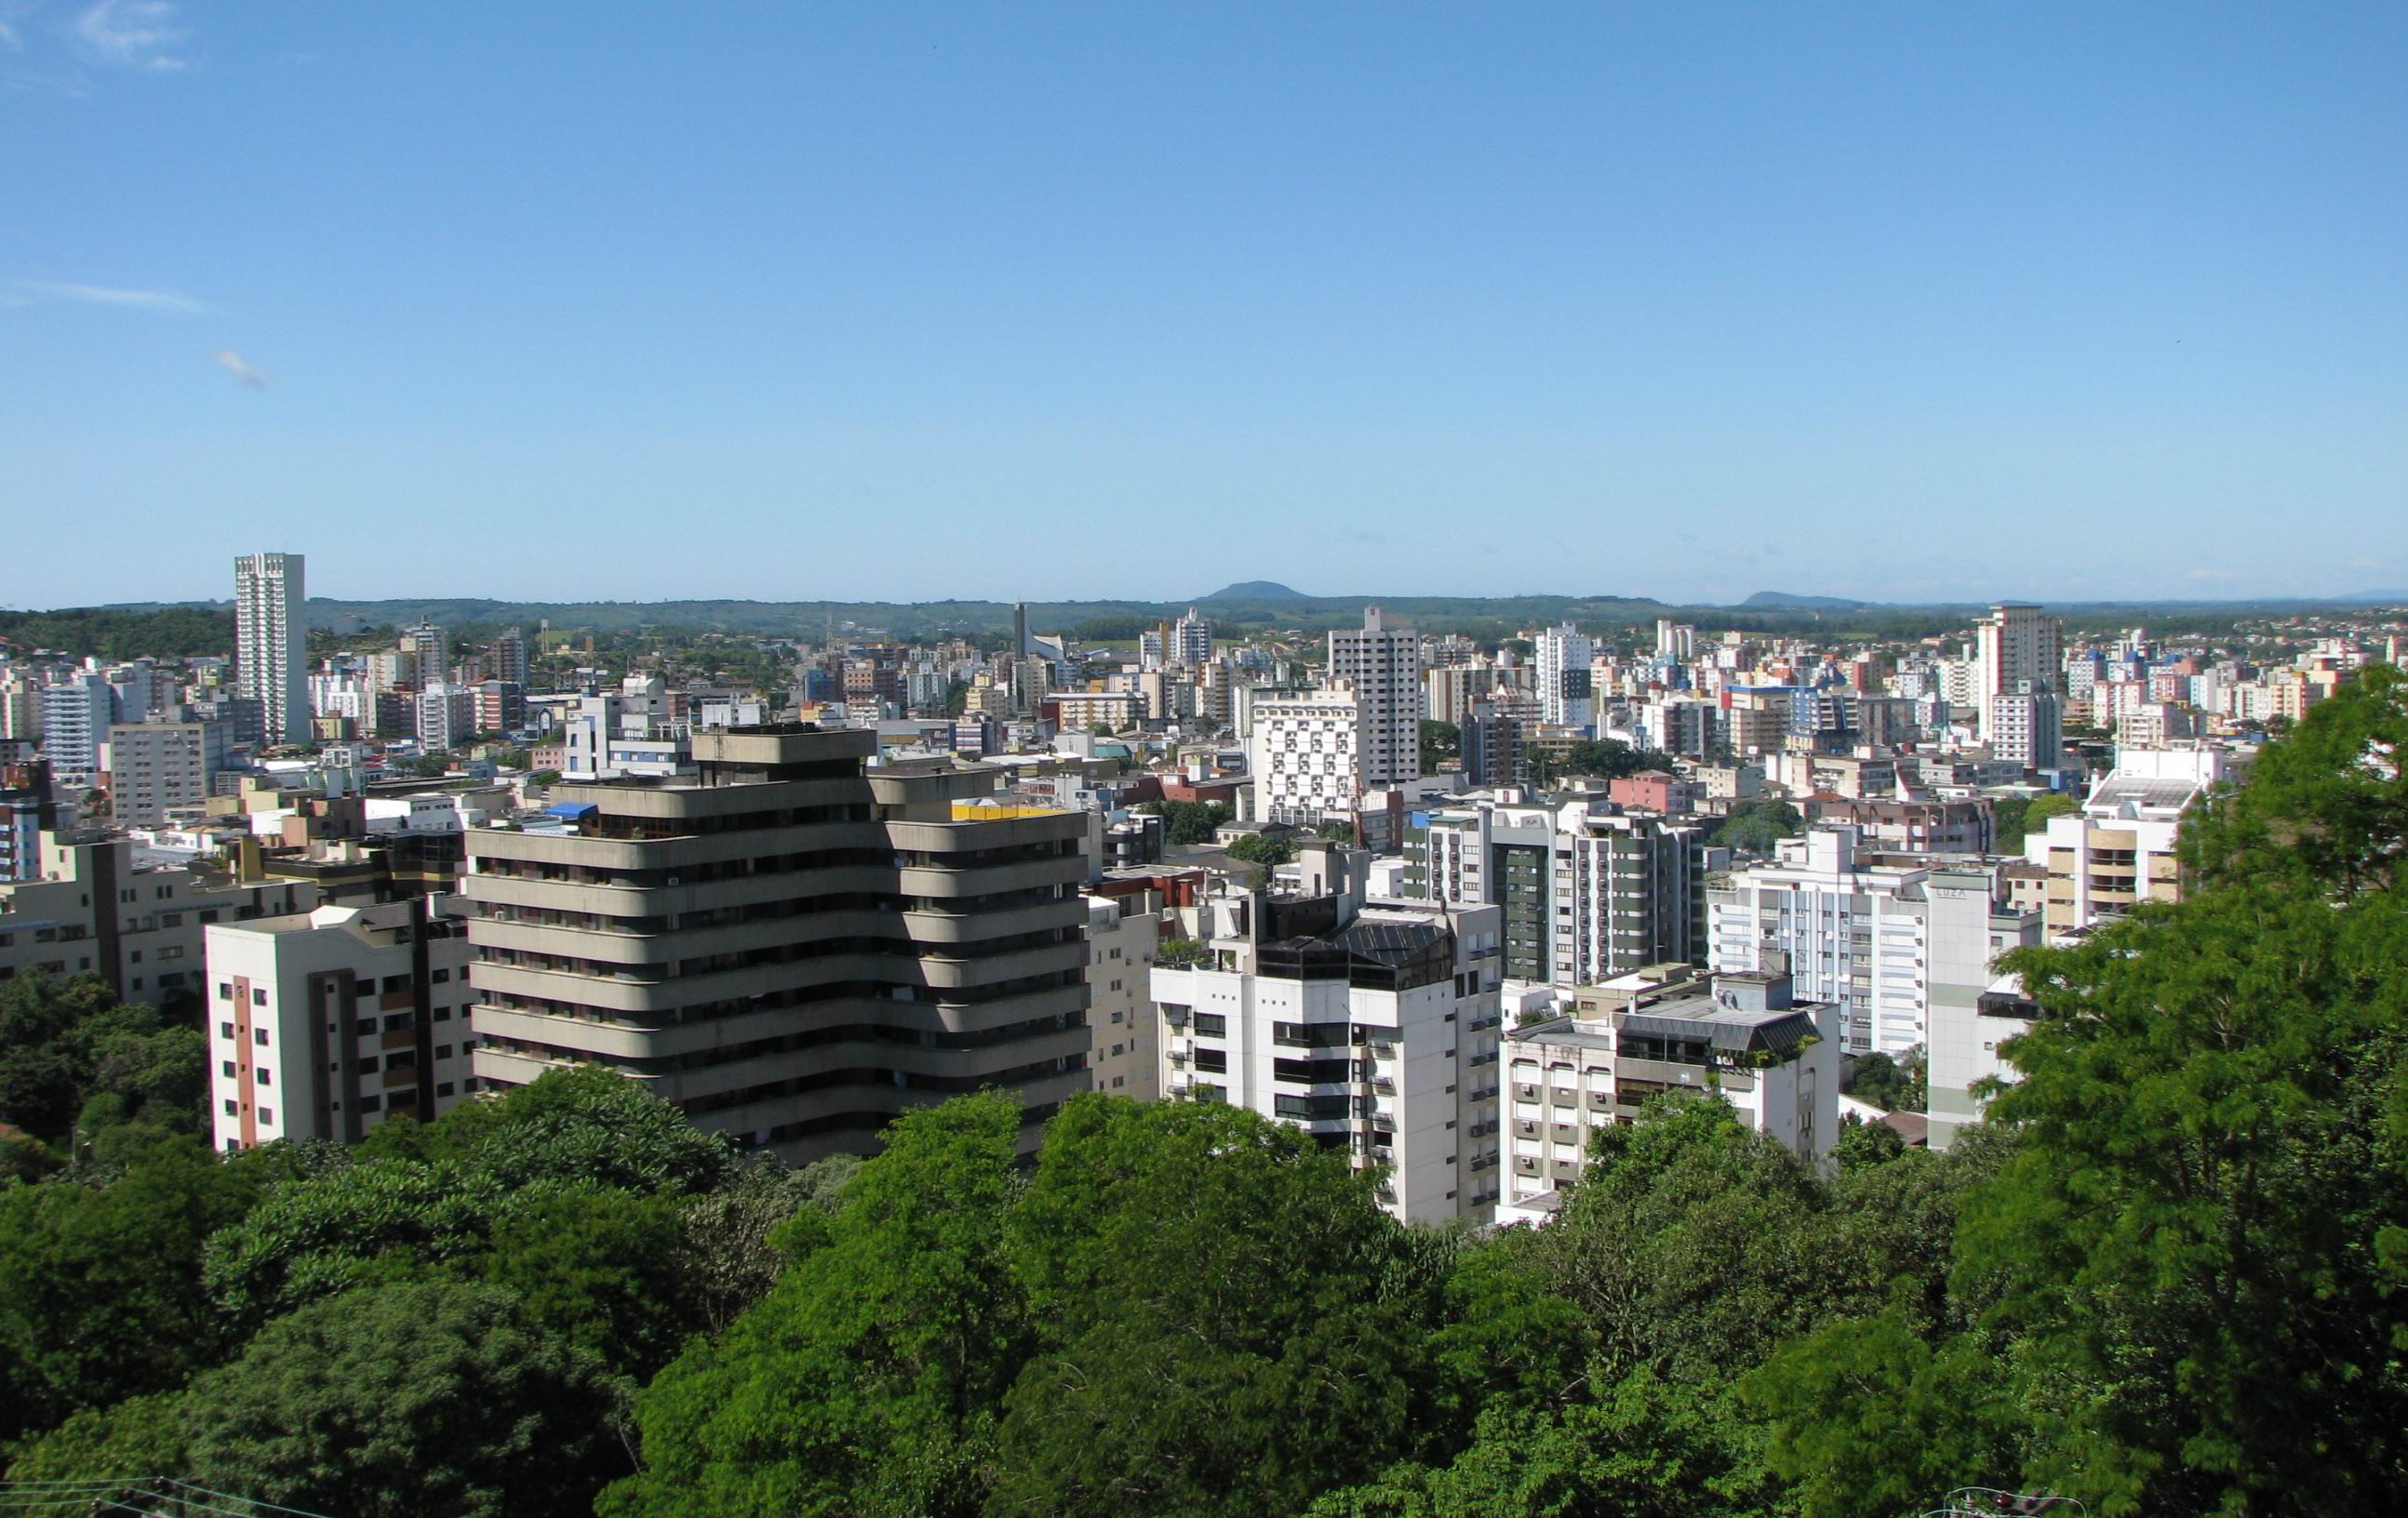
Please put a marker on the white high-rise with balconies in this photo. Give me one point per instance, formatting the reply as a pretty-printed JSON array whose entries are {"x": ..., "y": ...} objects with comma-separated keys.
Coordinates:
[
  {"x": 1384, "y": 665},
  {"x": 2018, "y": 648},
  {"x": 1564, "y": 682},
  {"x": 271, "y": 642}
]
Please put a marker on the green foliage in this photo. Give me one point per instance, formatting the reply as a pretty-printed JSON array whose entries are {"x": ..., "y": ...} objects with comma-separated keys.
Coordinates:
[
  {"x": 867, "y": 1380},
  {"x": 1442, "y": 745},
  {"x": 2016, "y": 818},
  {"x": 65, "y": 1045},
  {"x": 140, "y": 1436},
  {"x": 1894, "y": 1085},
  {"x": 409, "y": 1399},
  {"x": 1755, "y": 825},
  {"x": 1605, "y": 758},
  {"x": 1263, "y": 849},
  {"x": 123, "y": 633},
  {"x": 1198, "y": 1276},
  {"x": 100, "y": 1284},
  {"x": 1188, "y": 822}
]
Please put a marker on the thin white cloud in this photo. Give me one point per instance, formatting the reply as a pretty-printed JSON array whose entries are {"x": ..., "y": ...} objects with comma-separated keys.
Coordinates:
[
  {"x": 142, "y": 300},
  {"x": 234, "y": 363},
  {"x": 132, "y": 34}
]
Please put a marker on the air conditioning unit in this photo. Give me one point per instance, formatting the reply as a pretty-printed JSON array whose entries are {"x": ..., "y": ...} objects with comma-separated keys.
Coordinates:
[{"x": 672, "y": 880}]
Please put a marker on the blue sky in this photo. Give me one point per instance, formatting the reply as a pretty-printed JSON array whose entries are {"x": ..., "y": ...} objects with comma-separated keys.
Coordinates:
[{"x": 910, "y": 302}]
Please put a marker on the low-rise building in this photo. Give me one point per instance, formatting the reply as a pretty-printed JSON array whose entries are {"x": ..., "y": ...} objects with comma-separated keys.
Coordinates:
[{"x": 1738, "y": 1036}]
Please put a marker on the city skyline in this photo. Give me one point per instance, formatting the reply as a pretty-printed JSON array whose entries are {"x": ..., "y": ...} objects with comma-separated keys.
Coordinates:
[{"x": 1709, "y": 303}]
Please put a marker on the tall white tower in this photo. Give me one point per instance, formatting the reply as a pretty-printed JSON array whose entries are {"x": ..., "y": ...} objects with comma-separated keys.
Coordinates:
[
  {"x": 1565, "y": 684},
  {"x": 2018, "y": 648},
  {"x": 1384, "y": 664},
  {"x": 271, "y": 643}
]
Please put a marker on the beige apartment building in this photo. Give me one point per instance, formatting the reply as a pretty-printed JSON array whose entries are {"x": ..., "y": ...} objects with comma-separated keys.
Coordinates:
[{"x": 789, "y": 944}]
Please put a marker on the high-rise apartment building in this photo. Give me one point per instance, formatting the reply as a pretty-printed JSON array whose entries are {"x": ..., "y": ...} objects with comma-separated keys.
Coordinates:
[
  {"x": 2028, "y": 727},
  {"x": 429, "y": 648},
  {"x": 1306, "y": 755},
  {"x": 791, "y": 946},
  {"x": 77, "y": 710},
  {"x": 1564, "y": 659},
  {"x": 1382, "y": 665},
  {"x": 1371, "y": 1025},
  {"x": 328, "y": 1022},
  {"x": 1587, "y": 894},
  {"x": 1191, "y": 641},
  {"x": 507, "y": 659},
  {"x": 154, "y": 767},
  {"x": 271, "y": 642},
  {"x": 1122, "y": 936},
  {"x": 1889, "y": 939},
  {"x": 2016, "y": 648}
]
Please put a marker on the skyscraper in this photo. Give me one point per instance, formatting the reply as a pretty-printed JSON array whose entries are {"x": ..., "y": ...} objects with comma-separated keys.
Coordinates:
[
  {"x": 271, "y": 642},
  {"x": 1384, "y": 665},
  {"x": 1565, "y": 684},
  {"x": 2018, "y": 648}
]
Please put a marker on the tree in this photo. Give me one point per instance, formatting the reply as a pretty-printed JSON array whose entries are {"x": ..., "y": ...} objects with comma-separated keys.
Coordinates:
[
  {"x": 601, "y": 1268},
  {"x": 140, "y": 1436},
  {"x": 1188, "y": 822},
  {"x": 1442, "y": 744},
  {"x": 403, "y": 1400},
  {"x": 1264, "y": 848},
  {"x": 544, "y": 778},
  {"x": 1757, "y": 825},
  {"x": 101, "y": 1295},
  {"x": 868, "y": 1379},
  {"x": 2016, "y": 818},
  {"x": 63, "y": 1044},
  {"x": 1208, "y": 1285}
]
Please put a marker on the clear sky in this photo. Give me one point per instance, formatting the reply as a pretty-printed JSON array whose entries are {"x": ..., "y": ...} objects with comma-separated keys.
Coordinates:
[{"x": 915, "y": 301}]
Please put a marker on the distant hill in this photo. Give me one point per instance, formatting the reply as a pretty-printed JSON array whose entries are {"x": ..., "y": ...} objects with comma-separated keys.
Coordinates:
[
  {"x": 1257, "y": 590},
  {"x": 1783, "y": 600}
]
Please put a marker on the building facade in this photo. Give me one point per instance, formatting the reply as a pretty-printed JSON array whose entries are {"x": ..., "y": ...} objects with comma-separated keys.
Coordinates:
[
  {"x": 271, "y": 642},
  {"x": 1382, "y": 667},
  {"x": 1372, "y": 1026},
  {"x": 1121, "y": 941},
  {"x": 791, "y": 946},
  {"x": 324, "y": 1023}
]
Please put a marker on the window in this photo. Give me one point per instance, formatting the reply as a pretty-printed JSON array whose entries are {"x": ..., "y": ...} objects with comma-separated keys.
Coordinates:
[
  {"x": 258, "y": 998},
  {"x": 267, "y": 1114},
  {"x": 229, "y": 1107},
  {"x": 396, "y": 1022},
  {"x": 367, "y": 1065},
  {"x": 1214, "y": 1060},
  {"x": 259, "y": 1036},
  {"x": 367, "y": 1025},
  {"x": 443, "y": 1014},
  {"x": 369, "y": 1104},
  {"x": 225, "y": 991},
  {"x": 225, "y": 1067},
  {"x": 266, "y": 1076},
  {"x": 396, "y": 983},
  {"x": 442, "y": 1050},
  {"x": 440, "y": 975},
  {"x": 443, "y": 1088},
  {"x": 225, "y": 1030},
  {"x": 1211, "y": 1025}
]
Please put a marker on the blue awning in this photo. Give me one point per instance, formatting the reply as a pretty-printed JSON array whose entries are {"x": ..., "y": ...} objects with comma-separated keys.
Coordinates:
[{"x": 573, "y": 811}]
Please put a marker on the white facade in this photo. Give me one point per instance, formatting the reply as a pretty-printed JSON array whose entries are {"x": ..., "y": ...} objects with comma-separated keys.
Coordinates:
[
  {"x": 76, "y": 713},
  {"x": 2016, "y": 647},
  {"x": 1378, "y": 1035},
  {"x": 1305, "y": 756},
  {"x": 1564, "y": 658},
  {"x": 2026, "y": 728},
  {"x": 1126, "y": 1056},
  {"x": 1599, "y": 893},
  {"x": 324, "y": 1023},
  {"x": 1740, "y": 1038},
  {"x": 1882, "y": 938},
  {"x": 271, "y": 642},
  {"x": 1382, "y": 667}
]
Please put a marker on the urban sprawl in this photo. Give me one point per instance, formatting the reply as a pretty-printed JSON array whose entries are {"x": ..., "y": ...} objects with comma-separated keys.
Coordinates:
[{"x": 1449, "y": 905}]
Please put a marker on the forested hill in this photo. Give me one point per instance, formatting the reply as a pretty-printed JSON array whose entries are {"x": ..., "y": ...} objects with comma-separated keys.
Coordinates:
[{"x": 2169, "y": 1275}]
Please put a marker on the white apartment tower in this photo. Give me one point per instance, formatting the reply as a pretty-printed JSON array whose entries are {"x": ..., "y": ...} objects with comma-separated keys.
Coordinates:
[
  {"x": 1384, "y": 664},
  {"x": 1191, "y": 641},
  {"x": 1306, "y": 755},
  {"x": 1889, "y": 939},
  {"x": 1564, "y": 682},
  {"x": 2017, "y": 648},
  {"x": 1371, "y": 1025},
  {"x": 271, "y": 642}
]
